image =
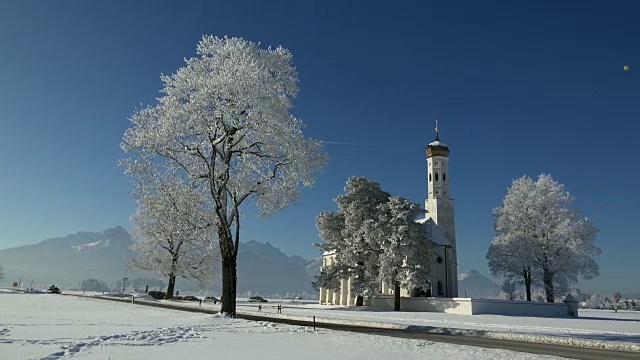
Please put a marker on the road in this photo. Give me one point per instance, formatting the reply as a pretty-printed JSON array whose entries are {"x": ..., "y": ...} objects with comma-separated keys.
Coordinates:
[{"x": 566, "y": 351}]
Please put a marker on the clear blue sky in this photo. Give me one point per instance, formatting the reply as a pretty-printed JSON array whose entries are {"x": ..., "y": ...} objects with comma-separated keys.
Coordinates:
[{"x": 518, "y": 89}]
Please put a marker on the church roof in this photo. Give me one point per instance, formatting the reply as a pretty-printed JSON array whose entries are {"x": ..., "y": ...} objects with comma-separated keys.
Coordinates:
[
  {"x": 438, "y": 143},
  {"x": 437, "y": 147},
  {"x": 433, "y": 231}
]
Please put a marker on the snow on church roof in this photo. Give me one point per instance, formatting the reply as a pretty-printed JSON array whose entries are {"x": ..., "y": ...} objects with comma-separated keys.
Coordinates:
[
  {"x": 437, "y": 143},
  {"x": 433, "y": 230}
]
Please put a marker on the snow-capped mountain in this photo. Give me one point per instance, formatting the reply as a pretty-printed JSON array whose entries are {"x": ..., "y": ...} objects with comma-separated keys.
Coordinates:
[
  {"x": 473, "y": 284},
  {"x": 67, "y": 261},
  {"x": 264, "y": 269},
  {"x": 313, "y": 266}
]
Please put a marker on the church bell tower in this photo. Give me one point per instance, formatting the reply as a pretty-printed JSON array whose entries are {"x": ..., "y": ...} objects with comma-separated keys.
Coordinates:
[{"x": 439, "y": 206}]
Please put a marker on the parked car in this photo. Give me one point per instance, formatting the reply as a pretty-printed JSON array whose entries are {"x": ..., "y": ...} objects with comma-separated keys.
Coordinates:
[
  {"x": 257, "y": 299},
  {"x": 212, "y": 298},
  {"x": 54, "y": 290},
  {"x": 186, "y": 297},
  {"x": 158, "y": 295}
]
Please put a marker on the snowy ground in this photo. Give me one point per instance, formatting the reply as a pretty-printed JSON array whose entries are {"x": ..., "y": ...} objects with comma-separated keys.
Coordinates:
[
  {"x": 48, "y": 326},
  {"x": 594, "y": 328}
]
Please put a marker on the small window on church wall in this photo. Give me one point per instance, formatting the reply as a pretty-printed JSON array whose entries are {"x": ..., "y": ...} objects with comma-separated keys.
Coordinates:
[
  {"x": 439, "y": 260},
  {"x": 444, "y": 176},
  {"x": 429, "y": 177},
  {"x": 436, "y": 176}
]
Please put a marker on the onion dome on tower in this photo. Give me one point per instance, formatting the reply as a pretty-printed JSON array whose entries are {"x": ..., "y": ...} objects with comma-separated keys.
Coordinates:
[{"x": 437, "y": 147}]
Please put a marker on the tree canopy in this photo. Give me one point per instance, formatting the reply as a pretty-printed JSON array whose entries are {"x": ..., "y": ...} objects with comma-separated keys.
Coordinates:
[
  {"x": 223, "y": 125},
  {"x": 376, "y": 239},
  {"x": 173, "y": 232},
  {"x": 539, "y": 237}
]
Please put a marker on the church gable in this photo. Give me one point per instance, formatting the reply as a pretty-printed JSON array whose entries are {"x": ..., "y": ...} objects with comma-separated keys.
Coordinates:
[{"x": 434, "y": 232}]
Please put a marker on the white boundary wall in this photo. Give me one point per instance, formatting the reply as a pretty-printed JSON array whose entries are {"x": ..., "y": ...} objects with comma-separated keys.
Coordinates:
[{"x": 468, "y": 306}]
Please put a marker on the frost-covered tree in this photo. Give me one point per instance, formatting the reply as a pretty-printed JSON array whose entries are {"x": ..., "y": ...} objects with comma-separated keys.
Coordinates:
[
  {"x": 509, "y": 255},
  {"x": 223, "y": 124},
  {"x": 595, "y": 302},
  {"x": 405, "y": 246},
  {"x": 172, "y": 233},
  {"x": 538, "y": 231},
  {"x": 344, "y": 232},
  {"x": 510, "y": 288},
  {"x": 376, "y": 239},
  {"x": 507, "y": 259},
  {"x": 93, "y": 285}
]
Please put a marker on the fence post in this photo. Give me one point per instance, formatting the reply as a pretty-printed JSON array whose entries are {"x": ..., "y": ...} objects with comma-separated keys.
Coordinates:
[{"x": 314, "y": 323}]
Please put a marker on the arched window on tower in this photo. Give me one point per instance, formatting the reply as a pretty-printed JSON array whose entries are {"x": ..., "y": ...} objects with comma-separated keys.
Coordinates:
[
  {"x": 436, "y": 176},
  {"x": 429, "y": 177},
  {"x": 444, "y": 176},
  {"x": 440, "y": 288}
]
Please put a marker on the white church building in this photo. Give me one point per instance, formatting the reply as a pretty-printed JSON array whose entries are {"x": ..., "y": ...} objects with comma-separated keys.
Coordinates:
[{"x": 440, "y": 225}]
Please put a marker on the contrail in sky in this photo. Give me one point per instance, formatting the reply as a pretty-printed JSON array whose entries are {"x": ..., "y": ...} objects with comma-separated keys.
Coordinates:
[{"x": 346, "y": 143}]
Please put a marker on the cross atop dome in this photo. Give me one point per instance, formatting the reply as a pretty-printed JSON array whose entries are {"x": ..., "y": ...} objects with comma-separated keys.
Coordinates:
[{"x": 437, "y": 147}]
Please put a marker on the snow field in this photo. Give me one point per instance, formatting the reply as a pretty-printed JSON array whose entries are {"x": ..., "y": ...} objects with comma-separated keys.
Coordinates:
[
  {"x": 47, "y": 326},
  {"x": 594, "y": 329}
]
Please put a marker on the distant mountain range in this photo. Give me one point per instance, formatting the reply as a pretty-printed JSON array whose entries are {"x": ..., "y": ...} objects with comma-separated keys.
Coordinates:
[
  {"x": 475, "y": 285},
  {"x": 67, "y": 261},
  {"x": 262, "y": 268}
]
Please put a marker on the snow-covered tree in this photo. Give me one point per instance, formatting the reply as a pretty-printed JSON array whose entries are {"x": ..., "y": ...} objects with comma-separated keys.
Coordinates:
[
  {"x": 223, "y": 125},
  {"x": 376, "y": 239},
  {"x": 509, "y": 287},
  {"x": 93, "y": 285},
  {"x": 173, "y": 233},
  {"x": 405, "y": 247},
  {"x": 507, "y": 259},
  {"x": 595, "y": 302},
  {"x": 538, "y": 231},
  {"x": 344, "y": 232},
  {"x": 509, "y": 253}
]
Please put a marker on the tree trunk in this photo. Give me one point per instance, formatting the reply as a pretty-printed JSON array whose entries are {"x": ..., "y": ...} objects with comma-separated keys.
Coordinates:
[
  {"x": 229, "y": 281},
  {"x": 527, "y": 283},
  {"x": 396, "y": 297},
  {"x": 171, "y": 286},
  {"x": 547, "y": 279},
  {"x": 359, "y": 300}
]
